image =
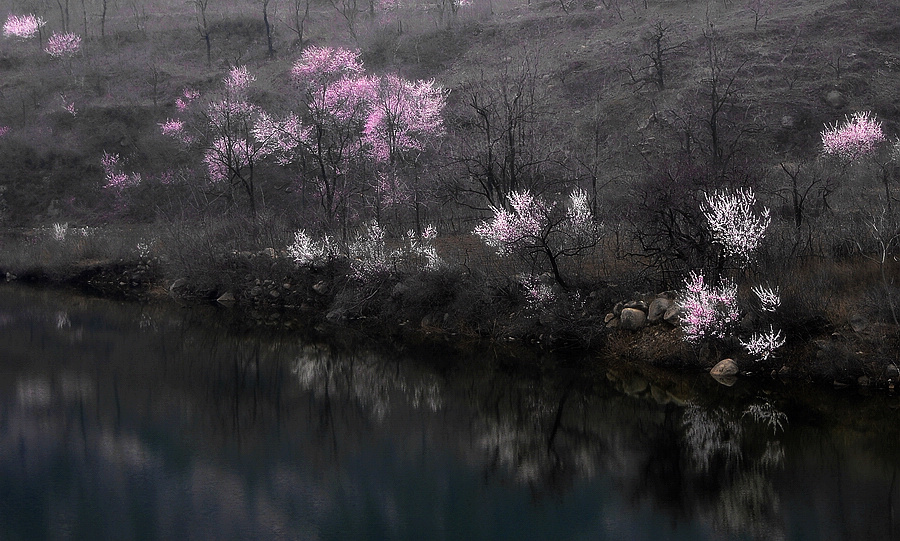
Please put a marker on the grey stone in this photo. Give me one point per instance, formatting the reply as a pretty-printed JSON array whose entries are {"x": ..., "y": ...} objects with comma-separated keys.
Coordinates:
[
  {"x": 673, "y": 314},
  {"x": 835, "y": 99},
  {"x": 858, "y": 322},
  {"x": 399, "y": 290},
  {"x": 892, "y": 372},
  {"x": 637, "y": 305},
  {"x": 632, "y": 319},
  {"x": 725, "y": 367},
  {"x": 320, "y": 287},
  {"x": 658, "y": 308},
  {"x": 226, "y": 297}
]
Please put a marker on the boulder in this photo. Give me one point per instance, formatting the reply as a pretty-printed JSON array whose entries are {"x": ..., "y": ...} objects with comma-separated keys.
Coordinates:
[
  {"x": 632, "y": 319},
  {"x": 227, "y": 297},
  {"x": 835, "y": 99},
  {"x": 725, "y": 367},
  {"x": 858, "y": 322},
  {"x": 673, "y": 314},
  {"x": 892, "y": 372},
  {"x": 320, "y": 287},
  {"x": 658, "y": 308},
  {"x": 637, "y": 305}
]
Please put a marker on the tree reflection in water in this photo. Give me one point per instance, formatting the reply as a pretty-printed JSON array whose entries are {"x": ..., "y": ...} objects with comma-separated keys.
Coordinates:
[{"x": 257, "y": 431}]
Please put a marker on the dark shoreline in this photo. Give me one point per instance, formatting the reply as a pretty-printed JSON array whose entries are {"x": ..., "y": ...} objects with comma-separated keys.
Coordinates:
[{"x": 278, "y": 295}]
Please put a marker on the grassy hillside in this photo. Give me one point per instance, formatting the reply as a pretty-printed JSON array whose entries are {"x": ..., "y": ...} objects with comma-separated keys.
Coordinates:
[{"x": 584, "y": 59}]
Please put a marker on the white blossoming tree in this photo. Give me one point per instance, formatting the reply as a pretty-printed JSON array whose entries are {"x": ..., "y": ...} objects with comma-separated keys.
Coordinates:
[{"x": 539, "y": 230}]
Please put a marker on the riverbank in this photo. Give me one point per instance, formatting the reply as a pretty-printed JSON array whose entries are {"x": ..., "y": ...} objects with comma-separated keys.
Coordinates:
[{"x": 457, "y": 307}]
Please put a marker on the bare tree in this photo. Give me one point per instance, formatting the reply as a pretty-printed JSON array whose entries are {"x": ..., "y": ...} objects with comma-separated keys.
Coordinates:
[
  {"x": 200, "y": 13},
  {"x": 349, "y": 10},
  {"x": 63, "y": 14},
  {"x": 505, "y": 143},
  {"x": 265, "y": 11},
  {"x": 720, "y": 93},
  {"x": 656, "y": 58},
  {"x": 299, "y": 16}
]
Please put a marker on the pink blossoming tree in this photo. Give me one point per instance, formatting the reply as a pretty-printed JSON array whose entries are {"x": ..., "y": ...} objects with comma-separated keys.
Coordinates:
[
  {"x": 858, "y": 136},
  {"x": 64, "y": 45},
  {"x": 234, "y": 135},
  {"x": 708, "y": 312},
  {"x": 23, "y": 27},
  {"x": 335, "y": 96},
  {"x": 405, "y": 117}
]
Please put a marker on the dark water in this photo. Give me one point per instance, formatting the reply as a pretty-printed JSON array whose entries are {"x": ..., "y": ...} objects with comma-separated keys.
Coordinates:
[{"x": 124, "y": 421}]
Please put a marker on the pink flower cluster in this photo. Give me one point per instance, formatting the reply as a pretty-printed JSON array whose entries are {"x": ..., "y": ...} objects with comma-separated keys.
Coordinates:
[
  {"x": 115, "y": 177},
  {"x": 4, "y": 130},
  {"x": 238, "y": 80},
  {"x": 279, "y": 137},
  {"x": 708, "y": 312},
  {"x": 63, "y": 45},
  {"x": 22, "y": 26},
  {"x": 174, "y": 127},
  {"x": 385, "y": 115},
  {"x": 405, "y": 114},
  {"x": 319, "y": 65},
  {"x": 855, "y": 138},
  {"x": 226, "y": 156},
  {"x": 186, "y": 98}
]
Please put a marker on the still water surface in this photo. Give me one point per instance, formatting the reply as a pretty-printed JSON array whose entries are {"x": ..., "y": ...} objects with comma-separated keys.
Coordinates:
[{"x": 126, "y": 421}]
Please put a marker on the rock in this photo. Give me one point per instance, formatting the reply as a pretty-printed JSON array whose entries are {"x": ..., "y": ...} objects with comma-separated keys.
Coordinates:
[
  {"x": 609, "y": 317},
  {"x": 320, "y": 287},
  {"x": 637, "y": 305},
  {"x": 617, "y": 309},
  {"x": 725, "y": 367},
  {"x": 658, "y": 308},
  {"x": 673, "y": 314},
  {"x": 634, "y": 386},
  {"x": 892, "y": 372},
  {"x": 399, "y": 290},
  {"x": 177, "y": 284},
  {"x": 727, "y": 381},
  {"x": 835, "y": 99},
  {"x": 632, "y": 319},
  {"x": 858, "y": 322},
  {"x": 226, "y": 297}
]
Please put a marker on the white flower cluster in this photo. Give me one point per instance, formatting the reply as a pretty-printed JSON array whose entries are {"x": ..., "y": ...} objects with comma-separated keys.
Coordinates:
[
  {"x": 763, "y": 345},
  {"x": 734, "y": 223},
  {"x": 769, "y": 298}
]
